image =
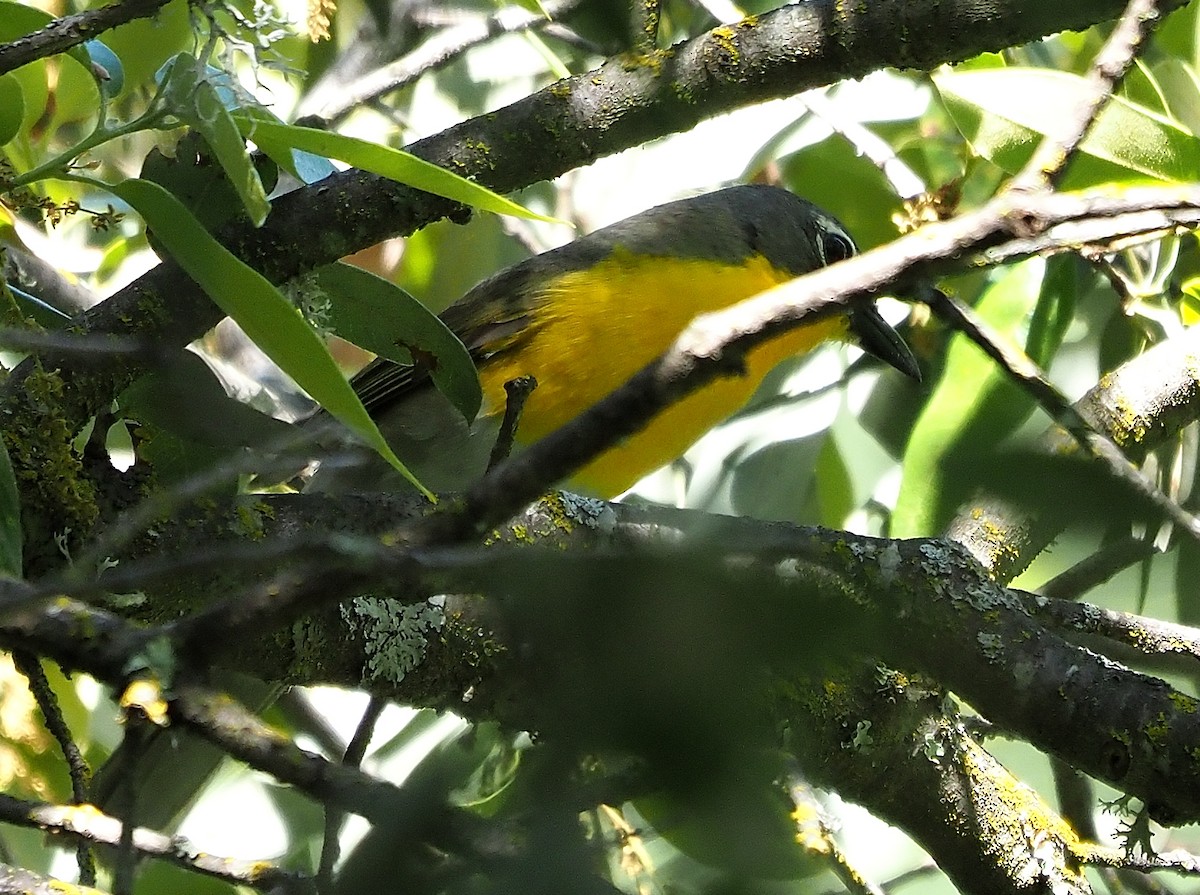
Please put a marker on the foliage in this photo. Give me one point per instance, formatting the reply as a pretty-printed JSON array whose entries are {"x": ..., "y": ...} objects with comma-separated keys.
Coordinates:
[{"x": 661, "y": 756}]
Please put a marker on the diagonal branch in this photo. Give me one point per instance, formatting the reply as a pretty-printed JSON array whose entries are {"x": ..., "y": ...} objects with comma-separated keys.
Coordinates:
[{"x": 70, "y": 31}]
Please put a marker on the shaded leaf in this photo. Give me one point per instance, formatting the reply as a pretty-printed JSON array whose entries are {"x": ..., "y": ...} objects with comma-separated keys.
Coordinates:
[
  {"x": 270, "y": 321},
  {"x": 194, "y": 177},
  {"x": 12, "y": 107},
  {"x": 379, "y": 316},
  {"x": 186, "y": 399},
  {"x": 11, "y": 535}
]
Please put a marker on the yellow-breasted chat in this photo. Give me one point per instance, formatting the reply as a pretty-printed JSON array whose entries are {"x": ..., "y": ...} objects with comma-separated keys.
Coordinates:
[{"x": 583, "y": 318}]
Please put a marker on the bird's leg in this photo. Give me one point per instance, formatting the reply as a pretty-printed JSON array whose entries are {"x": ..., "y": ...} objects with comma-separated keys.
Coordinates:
[{"x": 518, "y": 391}]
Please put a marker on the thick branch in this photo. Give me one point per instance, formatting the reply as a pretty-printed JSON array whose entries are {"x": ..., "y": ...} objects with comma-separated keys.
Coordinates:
[{"x": 621, "y": 104}]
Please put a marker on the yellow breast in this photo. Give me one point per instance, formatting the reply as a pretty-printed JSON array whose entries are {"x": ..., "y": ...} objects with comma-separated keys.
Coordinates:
[{"x": 598, "y": 327}]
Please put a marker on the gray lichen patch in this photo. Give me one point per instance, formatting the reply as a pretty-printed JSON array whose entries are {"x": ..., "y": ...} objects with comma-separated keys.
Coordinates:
[{"x": 394, "y": 634}]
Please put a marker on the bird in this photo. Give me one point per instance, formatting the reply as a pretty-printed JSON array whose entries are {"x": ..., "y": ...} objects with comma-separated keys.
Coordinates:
[{"x": 581, "y": 319}]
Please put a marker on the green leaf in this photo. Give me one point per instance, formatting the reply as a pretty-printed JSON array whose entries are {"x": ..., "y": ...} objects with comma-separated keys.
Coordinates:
[
  {"x": 1187, "y": 595},
  {"x": 1055, "y": 309},
  {"x": 755, "y": 477},
  {"x": 745, "y": 830},
  {"x": 1005, "y": 113},
  {"x": 19, "y": 20},
  {"x": 195, "y": 177},
  {"x": 195, "y": 101},
  {"x": 1181, "y": 87},
  {"x": 1141, "y": 87},
  {"x": 837, "y": 177},
  {"x": 278, "y": 139},
  {"x": 304, "y": 166},
  {"x": 379, "y": 316},
  {"x": 835, "y": 487},
  {"x": 12, "y": 107},
  {"x": 973, "y": 407},
  {"x": 222, "y": 136},
  {"x": 259, "y": 309},
  {"x": 11, "y": 536}
]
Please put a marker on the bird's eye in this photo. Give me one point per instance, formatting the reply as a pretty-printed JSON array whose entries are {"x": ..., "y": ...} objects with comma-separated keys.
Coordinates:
[{"x": 836, "y": 247}]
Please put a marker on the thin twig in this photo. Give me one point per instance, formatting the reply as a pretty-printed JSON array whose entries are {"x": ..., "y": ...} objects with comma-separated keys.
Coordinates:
[
  {"x": 77, "y": 766},
  {"x": 1025, "y": 373},
  {"x": 1149, "y": 637},
  {"x": 356, "y": 750},
  {"x": 1097, "y": 568},
  {"x": 96, "y": 344},
  {"x": 19, "y": 881},
  {"x": 243, "y": 735},
  {"x": 517, "y": 391},
  {"x": 435, "y": 53}
]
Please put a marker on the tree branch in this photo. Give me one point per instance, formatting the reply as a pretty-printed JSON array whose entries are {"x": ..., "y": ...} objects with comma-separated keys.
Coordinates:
[
  {"x": 86, "y": 824},
  {"x": 70, "y": 31},
  {"x": 566, "y": 125}
]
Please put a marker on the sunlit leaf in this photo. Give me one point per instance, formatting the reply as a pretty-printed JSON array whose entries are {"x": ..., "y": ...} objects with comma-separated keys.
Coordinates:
[
  {"x": 1005, "y": 113},
  {"x": 1181, "y": 87},
  {"x": 395, "y": 164},
  {"x": 304, "y": 166}
]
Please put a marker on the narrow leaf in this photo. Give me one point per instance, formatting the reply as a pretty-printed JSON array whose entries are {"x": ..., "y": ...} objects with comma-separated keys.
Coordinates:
[
  {"x": 12, "y": 107},
  {"x": 270, "y": 321},
  {"x": 223, "y": 136},
  {"x": 1005, "y": 112},
  {"x": 394, "y": 164}
]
